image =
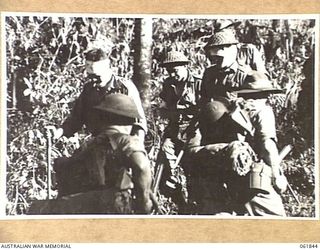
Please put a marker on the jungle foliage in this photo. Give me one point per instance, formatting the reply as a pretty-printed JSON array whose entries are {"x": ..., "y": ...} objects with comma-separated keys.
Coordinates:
[{"x": 45, "y": 67}]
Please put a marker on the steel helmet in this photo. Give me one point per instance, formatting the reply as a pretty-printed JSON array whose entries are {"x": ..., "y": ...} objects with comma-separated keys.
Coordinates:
[
  {"x": 119, "y": 104},
  {"x": 174, "y": 58},
  {"x": 221, "y": 38},
  {"x": 225, "y": 24},
  {"x": 213, "y": 111},
  {"x": 257, "y": 85}
]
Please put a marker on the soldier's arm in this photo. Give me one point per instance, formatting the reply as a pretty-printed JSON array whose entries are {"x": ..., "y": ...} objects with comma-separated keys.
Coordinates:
[
  {"x": 135, "y": 152},
  {"x": 258, "y": 62},
  {"x": 205, "y": 86},
  {"x": 164, "y": 107},
  {"x": 168, "y": 110},
  {"x": 140, "y": 127},
  {"x": 270, "y": 155},
  {"x": 75, "y": 120},
  {"x": 142, "y": 179},
  {"x": 265, "y": 133}
]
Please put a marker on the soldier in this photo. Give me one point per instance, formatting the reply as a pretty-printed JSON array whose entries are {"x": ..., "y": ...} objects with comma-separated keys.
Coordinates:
[
  {"x": 119, "y": 113},
  {"x": 107, "y": 162},
  {"x": 238, "y": 70},
  {"x": 231, "y": 63},
  {"x": 230, "y": 145},
  {"x": 100, "y": 81},
  {"x": 180, "y": 93}
]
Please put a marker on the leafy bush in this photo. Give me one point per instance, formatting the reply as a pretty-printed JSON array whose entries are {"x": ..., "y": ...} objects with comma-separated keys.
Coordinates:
[{"x": 45, "y": 71}]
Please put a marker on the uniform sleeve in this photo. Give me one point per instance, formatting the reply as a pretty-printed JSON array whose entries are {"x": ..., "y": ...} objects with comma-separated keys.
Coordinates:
[
  {"x": 134, "y": 94},
  {"x": 249, "y": 55},
  {"x": 127, "y": 144},
  {"x": 264, "y": 123},
  {"x": 75, "y": 120},
  {"x": 168, "y": 95},
  {"x": 204, "y": 91},
  {"x": 164, "y": 92},
  {"x": 194, "y": 141},
  {"x": 258, "y": 61}
]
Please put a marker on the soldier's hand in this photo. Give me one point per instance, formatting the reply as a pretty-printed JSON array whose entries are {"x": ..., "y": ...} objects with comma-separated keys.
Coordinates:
[
  {"x": 53, "y": 132},
  {"x": 280, "y": 183},
  {"x": 214, "y": 148},
  {"x": 139, "y": 133},
  {"x": 168, "y": 145}
]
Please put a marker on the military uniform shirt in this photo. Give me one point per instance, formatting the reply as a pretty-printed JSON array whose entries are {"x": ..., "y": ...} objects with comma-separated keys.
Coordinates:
[
  {"x": 180, "y": 101},
  {"x": 217, "y": 82},
  {"x": 83, "y": 112}
]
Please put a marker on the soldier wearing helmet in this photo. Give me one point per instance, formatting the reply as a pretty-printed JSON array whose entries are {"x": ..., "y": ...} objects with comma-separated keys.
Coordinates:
[
  {"x": 100, "y": 81},
  {"x": 106, "y": 162},
  {"x": 238, "y": 73},
  {"x": 180, "y": 94},
  {"x": 224, "y": 151},
  {"x": 119, "y": 113},
  {"x": 231, "y": 62}
]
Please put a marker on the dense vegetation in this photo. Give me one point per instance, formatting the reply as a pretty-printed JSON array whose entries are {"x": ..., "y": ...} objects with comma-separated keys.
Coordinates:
[{"x": 45, "y": 67}]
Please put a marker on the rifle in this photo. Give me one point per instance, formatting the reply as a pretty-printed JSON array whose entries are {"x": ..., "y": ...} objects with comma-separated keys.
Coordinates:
[
  {"x": 157, "y": 177},
  {"x": 160, "y": 165}
]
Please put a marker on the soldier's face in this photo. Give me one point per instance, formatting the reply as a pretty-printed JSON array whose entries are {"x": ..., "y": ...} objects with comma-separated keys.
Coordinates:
[
  {"x": 179, "y": 73},
  {"x": 100, "y": 71},
  {"x": 222, "y": 56}
]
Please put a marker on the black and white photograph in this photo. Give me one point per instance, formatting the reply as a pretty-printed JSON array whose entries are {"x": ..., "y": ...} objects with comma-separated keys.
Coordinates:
[{"x": 160, "y": 116}]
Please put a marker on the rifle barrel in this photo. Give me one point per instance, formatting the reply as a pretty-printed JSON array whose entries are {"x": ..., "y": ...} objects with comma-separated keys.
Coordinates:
[{"x": 286, "y": 150}]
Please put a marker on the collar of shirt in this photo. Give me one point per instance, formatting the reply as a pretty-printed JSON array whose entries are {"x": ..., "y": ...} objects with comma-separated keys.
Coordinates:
[
  {"x": 108, "y": 86},
  {"x": 231, "y": 70},
  {"x": 186, "y": 84},
  {"x": 189, "y": 80}
]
